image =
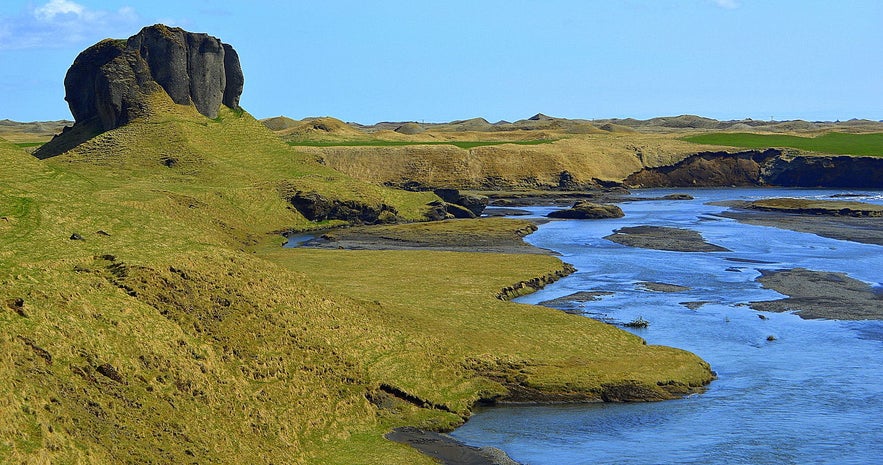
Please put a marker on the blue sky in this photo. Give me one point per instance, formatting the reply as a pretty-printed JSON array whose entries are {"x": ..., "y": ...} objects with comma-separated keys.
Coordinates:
[{"x": 370, "y": 61}]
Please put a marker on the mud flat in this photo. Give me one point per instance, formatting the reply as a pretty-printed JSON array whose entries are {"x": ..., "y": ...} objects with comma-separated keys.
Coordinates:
[
  {"x": 663, "y": 238},
  {"x": 820, "y": 294},
  {"x": 848, "y": 221},
  {"x": 448, "y": 450}
]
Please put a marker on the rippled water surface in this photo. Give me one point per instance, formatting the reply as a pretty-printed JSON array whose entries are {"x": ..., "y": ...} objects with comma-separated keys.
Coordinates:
[{"x": 812, "y": 395}]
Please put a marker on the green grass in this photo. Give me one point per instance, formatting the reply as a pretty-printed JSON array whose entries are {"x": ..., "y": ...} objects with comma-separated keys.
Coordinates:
[
  {"x": 836, "y": 143},
  {"x": 398, "y": 143},
  {"x": 25, "y": 145},
  {"x": 230, "y": 349}
]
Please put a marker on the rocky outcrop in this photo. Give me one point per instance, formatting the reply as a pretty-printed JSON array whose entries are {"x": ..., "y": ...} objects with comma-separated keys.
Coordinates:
[
  {"x": 316, "y": 207},
  {"x": 108, "y": 83},
  {"x": 107, "y": 79},
  {"x": 462, "y": 205},
  {"x": 585, "y": 210}
]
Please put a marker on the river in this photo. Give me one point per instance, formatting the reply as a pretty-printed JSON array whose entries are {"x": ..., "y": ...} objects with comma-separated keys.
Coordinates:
[{"x": 789, "y": 390}]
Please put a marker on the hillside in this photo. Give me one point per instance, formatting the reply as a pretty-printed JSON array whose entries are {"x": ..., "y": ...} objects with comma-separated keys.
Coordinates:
[
  {"x": 149, "y": 314},
  {"x": 548, "y": 153}
]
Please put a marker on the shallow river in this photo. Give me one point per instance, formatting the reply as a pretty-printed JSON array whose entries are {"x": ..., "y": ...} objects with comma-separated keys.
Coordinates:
[{"x": 812, "y": 395}]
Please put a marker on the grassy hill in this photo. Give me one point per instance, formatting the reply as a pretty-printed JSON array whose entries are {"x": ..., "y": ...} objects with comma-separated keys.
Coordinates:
[
  {"x": 836, "y": 143},
  {"x": 148, "y": 315},
  {"x": 514, "y": 163},
  {"x": 533, "y": 153}
]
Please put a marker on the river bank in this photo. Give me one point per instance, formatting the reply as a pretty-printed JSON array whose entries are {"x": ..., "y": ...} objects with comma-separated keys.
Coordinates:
[
  {"x": 688, "y": 296},
  {"x": 464, "y": 254},
  {"x": 766, "y": 405}
]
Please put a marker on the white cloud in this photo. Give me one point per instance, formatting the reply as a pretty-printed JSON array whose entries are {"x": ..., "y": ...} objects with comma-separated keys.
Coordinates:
[
  {"x": 49, "y": 11},
  {"x": 728, "y": 4},
  {"x": 65, "y": 23}
]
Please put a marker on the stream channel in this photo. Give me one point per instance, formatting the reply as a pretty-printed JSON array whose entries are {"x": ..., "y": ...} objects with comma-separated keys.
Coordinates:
[{"x": 789, "y": 390}]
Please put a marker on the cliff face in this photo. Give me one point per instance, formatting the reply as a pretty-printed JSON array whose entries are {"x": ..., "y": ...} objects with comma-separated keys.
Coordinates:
[
  {"x": 834, "y": 171},
  {"x": 108, "y": 81},
  {"x": 770, "y": 167},
  {"x": 707, "y": 169}
]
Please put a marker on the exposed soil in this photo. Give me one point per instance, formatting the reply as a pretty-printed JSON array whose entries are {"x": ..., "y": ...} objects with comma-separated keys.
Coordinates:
[{"x": 448, "y": 450}]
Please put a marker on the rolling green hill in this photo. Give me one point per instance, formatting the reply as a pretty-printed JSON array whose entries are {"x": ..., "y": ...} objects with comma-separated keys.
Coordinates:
[
  {"x": 836, "y": 143},
  {"x": 148, "y": 314}
]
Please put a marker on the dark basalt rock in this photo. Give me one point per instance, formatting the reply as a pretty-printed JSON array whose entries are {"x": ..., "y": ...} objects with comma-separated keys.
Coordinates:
[
  {"x": 316, "y": 207},
  {"x": 458, "y": 211},
  {"x": 473, "y": 205},
  {"x": 833, "y": 171},
  {"x": 437, "y": 211},
  {"x": 108, "y": 83},
  {"x": 584, "y": 210}
]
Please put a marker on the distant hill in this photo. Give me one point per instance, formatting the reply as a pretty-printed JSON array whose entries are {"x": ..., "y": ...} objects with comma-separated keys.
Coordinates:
[
  {"x": 313, "y": 128},
  {"x": 36, "y": 131},
  {"x": 542, "y": 122}
]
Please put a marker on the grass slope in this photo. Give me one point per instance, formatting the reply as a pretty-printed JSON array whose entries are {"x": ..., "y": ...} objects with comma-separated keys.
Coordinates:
[
  {"x": 586, "y": 157},
  {"x": 401, "y": 143},
  {"x": 836, "y": 143},
  {"x": 175, "y": 330}
]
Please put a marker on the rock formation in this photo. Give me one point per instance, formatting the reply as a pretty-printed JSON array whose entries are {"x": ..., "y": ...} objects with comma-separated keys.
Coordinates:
[
  {"x": 108, "y": 79},
  {"x": 108, "y": 84},
  {"x": 585, "y": 210},
  {"x": 316, "y": 207},
  {"x": 462, "y": 205}
]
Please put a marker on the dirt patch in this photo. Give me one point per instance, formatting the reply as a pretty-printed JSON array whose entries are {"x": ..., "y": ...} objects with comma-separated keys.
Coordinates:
[
  {"x": 663, "y": 238},
  {"x": 820, "y": 294}
]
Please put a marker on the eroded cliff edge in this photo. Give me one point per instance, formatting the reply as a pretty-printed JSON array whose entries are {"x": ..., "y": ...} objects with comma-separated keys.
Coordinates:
[{"x": 770, "y": 167}]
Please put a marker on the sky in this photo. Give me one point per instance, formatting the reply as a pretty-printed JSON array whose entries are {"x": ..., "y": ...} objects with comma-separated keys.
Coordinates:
[{"x": 434, "y": 61}]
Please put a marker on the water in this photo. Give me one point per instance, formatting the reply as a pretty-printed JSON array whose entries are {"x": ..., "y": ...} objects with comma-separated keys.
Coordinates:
[{"x": 814, "y": 395}]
